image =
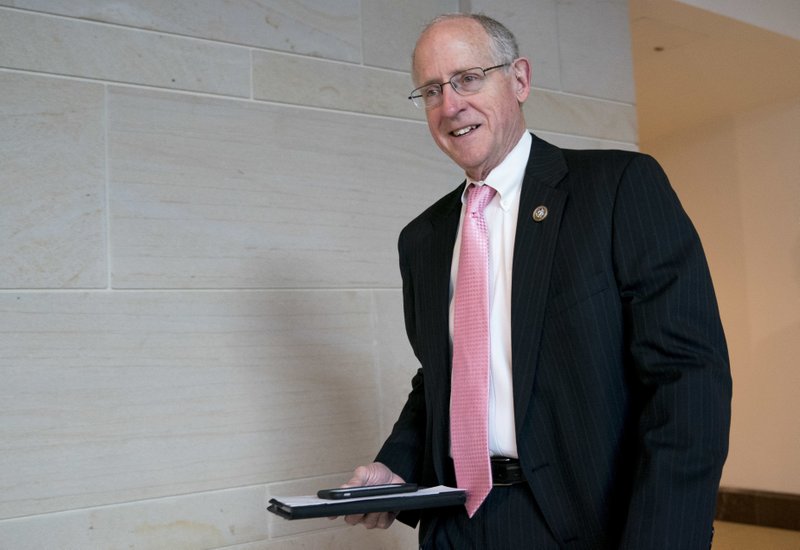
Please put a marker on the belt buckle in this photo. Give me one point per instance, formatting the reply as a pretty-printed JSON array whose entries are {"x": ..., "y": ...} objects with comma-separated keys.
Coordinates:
[
  {"x": 497, "y": 484},
  {"x": 502, "y": 461}
]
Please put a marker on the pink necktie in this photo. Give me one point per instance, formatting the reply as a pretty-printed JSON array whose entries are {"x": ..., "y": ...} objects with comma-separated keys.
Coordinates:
[{"x": 469, "y": 429}]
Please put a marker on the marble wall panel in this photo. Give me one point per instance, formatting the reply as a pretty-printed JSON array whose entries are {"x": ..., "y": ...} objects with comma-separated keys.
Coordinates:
[
  {"x": 118, "y": 396},
  {"x": 44, "y": 43},
  {"x": 198, "y": 521},
  {"x": 312, "y": 27},
  {"x": 397, "y": 537},
  {"x": 333, "y": 85},
  {"x": 579, "y": 115},
  {"x": 207, "y": 193},
  {"x": 206, "y": 520},
  {"x": 595, "y": 49},
  {"x": 52, "y": 183},
  {"x": 391, "y": 29},
  {"x": 535, "y": 24}
]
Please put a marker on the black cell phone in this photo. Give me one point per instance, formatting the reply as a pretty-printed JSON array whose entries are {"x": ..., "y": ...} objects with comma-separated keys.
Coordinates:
[{"x": 366, "y": 491}]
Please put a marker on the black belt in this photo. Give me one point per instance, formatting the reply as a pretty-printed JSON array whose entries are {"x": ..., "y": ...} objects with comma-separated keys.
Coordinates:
[{"x": 506, "y": 471}]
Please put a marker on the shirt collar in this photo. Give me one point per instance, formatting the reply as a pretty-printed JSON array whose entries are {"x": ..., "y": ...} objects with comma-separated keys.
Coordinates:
[{"x": 506, "y": 178}]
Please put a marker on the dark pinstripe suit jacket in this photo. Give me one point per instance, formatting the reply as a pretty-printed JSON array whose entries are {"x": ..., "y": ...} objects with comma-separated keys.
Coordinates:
[{"x": 620, "y": 370}]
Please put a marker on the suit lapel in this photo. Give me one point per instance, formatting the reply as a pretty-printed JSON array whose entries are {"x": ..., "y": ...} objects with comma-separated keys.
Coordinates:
[
  {"x": 443, "y": 237},
  {"x": 444, "y": 227},
  {"x": 534, "y": 248}
]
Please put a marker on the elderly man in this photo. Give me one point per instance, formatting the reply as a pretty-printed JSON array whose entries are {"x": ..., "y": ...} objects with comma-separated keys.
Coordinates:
[{"x": 574, "y": 375}]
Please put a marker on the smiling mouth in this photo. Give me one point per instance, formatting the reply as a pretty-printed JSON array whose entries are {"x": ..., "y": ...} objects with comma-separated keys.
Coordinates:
[{"x": 463, "y": 131}]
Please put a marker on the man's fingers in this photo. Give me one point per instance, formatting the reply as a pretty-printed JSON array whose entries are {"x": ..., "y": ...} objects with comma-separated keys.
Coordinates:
[
  {"x": 371, "y": 520},
  {"x": 386, "y": 520},
  {"x": 380, "y": 520},
  {"x": 354, "y": 519},
  {"x": 372, "y": 474},
  {"x": 375, "y": 519},
  {"x": 361, "y": 476}
]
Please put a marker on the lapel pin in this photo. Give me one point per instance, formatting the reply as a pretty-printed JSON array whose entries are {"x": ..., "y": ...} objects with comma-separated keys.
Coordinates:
[{"x": 539, "y": 213}]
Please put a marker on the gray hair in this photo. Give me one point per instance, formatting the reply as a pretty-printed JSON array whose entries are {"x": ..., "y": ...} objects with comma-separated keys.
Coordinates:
[{"x": 503, "y": 43}]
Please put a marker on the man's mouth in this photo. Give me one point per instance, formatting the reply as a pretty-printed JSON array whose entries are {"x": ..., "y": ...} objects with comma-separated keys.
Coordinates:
[{"x": 463, "y": 131}]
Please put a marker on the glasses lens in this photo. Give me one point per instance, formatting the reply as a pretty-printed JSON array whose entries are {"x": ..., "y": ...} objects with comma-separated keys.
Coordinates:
[
  {"x": 428, "y": 96},
  {"x": 469, "y": 81}
]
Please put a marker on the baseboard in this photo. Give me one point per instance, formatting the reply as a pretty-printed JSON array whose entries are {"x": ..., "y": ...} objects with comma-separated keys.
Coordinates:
[{"x": 763, "y": 508}]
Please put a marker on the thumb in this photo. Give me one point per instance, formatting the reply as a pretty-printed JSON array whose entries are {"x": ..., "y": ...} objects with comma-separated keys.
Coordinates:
[{"x": 373, "y": 474}]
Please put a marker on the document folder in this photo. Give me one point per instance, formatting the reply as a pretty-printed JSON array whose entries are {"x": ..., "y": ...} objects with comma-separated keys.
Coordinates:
[{"x": 305, "y": 507}]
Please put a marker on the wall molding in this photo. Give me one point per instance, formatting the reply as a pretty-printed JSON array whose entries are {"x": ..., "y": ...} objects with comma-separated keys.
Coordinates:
[{"x": 762, "y": 508}]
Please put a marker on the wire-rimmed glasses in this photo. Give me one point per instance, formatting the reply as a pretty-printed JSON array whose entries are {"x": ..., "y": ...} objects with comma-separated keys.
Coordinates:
[{"x": 466, "y": 82}]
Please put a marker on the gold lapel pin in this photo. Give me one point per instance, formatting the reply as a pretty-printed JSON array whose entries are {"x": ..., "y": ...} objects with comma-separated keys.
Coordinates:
[{"x": 539, "y": 213}]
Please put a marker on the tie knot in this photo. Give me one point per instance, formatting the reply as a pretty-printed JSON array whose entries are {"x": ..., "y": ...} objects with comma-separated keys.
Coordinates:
[{"x": 479, "y": 197}]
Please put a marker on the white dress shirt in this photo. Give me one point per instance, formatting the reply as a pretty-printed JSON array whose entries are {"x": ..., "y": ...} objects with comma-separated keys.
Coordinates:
[{"x": 501, "y": 222}]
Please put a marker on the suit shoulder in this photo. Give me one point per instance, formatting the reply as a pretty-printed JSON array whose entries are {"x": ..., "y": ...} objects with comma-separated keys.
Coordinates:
[
  {"x": 592, "y": 158},
  {"x": 610, "y": 167},
  {"x": 438, "y": 210}
]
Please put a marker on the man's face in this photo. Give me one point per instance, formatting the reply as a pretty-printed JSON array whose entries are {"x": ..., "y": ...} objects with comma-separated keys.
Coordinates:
[{"x": 476, "y": 131}]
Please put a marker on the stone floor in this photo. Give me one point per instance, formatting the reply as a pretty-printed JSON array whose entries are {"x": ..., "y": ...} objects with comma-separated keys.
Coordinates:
[{"x": 738, "y": 536}]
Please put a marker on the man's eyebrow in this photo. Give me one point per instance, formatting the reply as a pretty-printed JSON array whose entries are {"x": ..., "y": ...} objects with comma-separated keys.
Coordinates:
[
  {"x": 433, "y": 81},
  {"x": 429, "y": 82}
]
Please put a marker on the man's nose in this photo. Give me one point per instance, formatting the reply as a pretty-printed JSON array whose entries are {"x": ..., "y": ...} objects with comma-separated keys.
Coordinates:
[{"x": 452, "y": 101}]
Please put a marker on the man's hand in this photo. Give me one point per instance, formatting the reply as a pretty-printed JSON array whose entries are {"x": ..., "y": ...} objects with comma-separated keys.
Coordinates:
[{"x": 372, "y": 474}]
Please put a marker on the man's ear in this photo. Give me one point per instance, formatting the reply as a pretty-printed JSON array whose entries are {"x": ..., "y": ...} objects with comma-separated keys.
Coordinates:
[{"x": 521, "y": 68}]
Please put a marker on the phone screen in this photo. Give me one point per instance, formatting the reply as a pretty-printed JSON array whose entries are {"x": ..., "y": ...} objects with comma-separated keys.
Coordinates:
[{"x": 366, "y": 491}]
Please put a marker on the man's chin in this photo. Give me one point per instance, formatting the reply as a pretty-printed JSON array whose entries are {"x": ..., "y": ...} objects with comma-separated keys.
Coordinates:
[
  {"x": 472, "y": 167},
  {"x": 467, "y": 160}
]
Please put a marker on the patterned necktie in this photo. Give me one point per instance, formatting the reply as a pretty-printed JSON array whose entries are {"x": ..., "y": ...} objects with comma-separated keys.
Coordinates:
[{"x": 469, "y": 400}]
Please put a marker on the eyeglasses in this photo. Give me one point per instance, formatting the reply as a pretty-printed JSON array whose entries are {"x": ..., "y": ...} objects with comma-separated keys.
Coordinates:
[{"x": 466, "y": 82}]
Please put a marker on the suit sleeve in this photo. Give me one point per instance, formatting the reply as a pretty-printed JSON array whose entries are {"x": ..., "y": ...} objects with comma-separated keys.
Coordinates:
[
  {"x": 678, "y": 356},
  {"x": 404, "y": 448}
]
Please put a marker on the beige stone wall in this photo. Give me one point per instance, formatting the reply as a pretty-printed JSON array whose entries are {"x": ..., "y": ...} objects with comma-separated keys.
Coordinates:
[{"x": 199, "y": 205}]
